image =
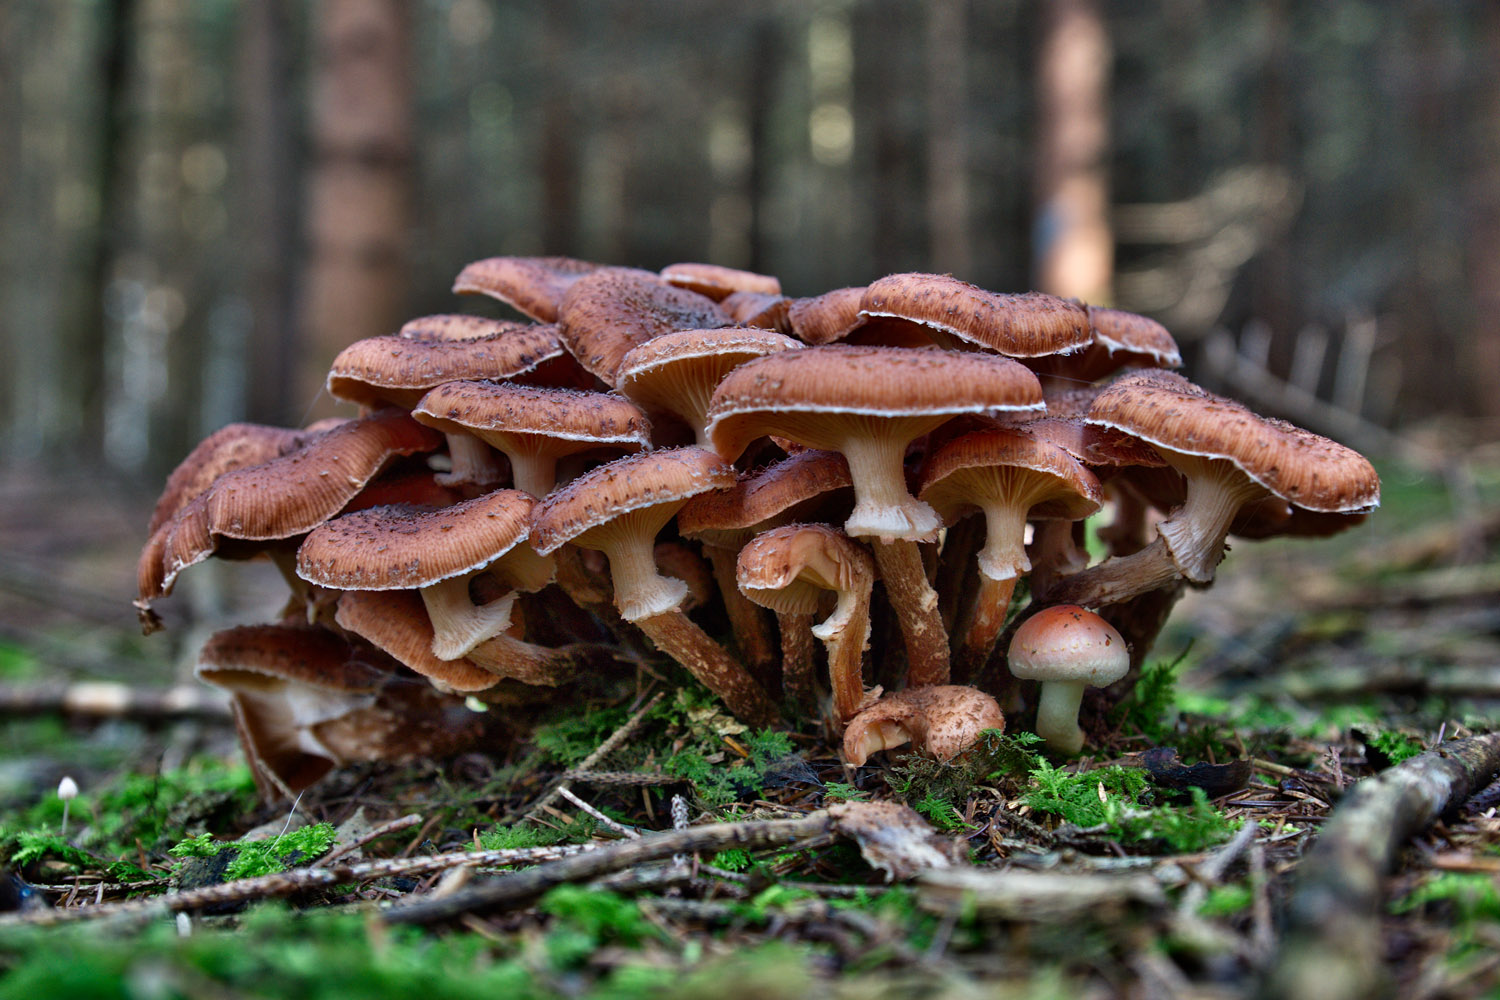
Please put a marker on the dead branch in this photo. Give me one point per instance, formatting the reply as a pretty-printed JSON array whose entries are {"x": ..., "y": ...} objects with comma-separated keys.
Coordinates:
[{"x": 1331, "y": 946}]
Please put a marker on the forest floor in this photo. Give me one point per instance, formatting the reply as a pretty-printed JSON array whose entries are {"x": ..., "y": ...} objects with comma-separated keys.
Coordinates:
[{"x": 1307, "y": 670}]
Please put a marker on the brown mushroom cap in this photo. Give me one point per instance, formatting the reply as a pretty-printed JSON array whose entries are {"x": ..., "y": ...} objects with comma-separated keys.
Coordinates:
[
  {"x": 533, "y": 286},
  {"x": 235, "y": 446},
  {"x": 398, "y": 370},
  {"x": 460, "y": 327},
  {"x": 767, "y": 312},
  {"x": 534, "y": 426},
  {"x": 1120, "y": 340},
  {"x": 677, "y": 372},
  {"x": 718, "y": 282},
  {"x": 607, "y": 313},
  {"x": 941, "y": 719},
  {"x": 404, "y": 547},
  {"x": 1231, "y": 457},
  {"x": 822, "y": 319},
  {"x": 1066, "y": 648},
  {"x": 396, "y": 622},
  {"x": 1019, "y": 326},
  {"x": 867, "y": 403}
]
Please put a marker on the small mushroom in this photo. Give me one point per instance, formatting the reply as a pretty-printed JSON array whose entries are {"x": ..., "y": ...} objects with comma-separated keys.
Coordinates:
[
  {"x": 1066, "y": 648},
  {"x": 788, "y": 570},
  {"x": 941, "y": 719}
]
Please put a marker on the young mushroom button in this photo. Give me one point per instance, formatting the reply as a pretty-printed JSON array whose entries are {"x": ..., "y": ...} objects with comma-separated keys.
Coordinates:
[{"x": 1066, "y": 648}]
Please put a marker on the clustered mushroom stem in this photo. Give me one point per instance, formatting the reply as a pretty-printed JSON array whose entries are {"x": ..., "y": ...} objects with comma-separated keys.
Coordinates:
[
  {"x": 535, "y": 473},
  {"x": 1117, "y": 579},
  {"x": 747, "y": 620},
  {"x": 956, "y": 567},
  {"x": 472, "y": 460},
  {"x": 846, "y": 654},
  {"x": 1195, "y": 532},
  {"x": 677, "y": 636},
  {"x": 799, "y": 652},
  {"x": 883, "y": 507},
  {"x": 976, "y": 637},
  {"x": 524, "y": 661},
  {"x": 916, "y": 607}
]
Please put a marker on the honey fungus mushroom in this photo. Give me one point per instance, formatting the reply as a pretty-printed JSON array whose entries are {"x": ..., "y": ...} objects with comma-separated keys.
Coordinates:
[
  {"x": 1067, "y": 648},
  {"x": 943, "y": 720}
]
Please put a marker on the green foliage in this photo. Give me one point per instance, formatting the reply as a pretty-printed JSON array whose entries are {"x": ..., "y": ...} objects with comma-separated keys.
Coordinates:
[
  {"x": 33, "y": 845},
  {"x": 1226, "y": 900},
  {"x": 719, "y": 781},
  {"x": 994, "y": 755},
  {"x": 1470, "y": 895},
  {"x": 1396, "y": 746},
  {"x": 262, "y": 857},
  {"x": 838, "y": 791},
  {"x": 602, "y": 916},
  {"x": 1110, "y": 797},
  {"x": 573, "y": 737},
  {"x": 519, "y": 835},
  {"x": 1152, "y": 704},
  {"x": 733, "y": 860},
  {"x": 940, "y": 812}
]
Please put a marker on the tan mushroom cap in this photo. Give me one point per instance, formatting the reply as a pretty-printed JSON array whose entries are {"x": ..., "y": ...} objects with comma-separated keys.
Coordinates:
[
  {"x": 677, "y": 372},
  {"x": 533, "y": 286},
  {"x": 533, "y": 425},
  {"x": 1020, "y": 326},
  {"x": 607, "y": 313},
  {"x": 1011, "y": 476},
  {"x": 398, "y": 370},
  {"x": 718, "y": 282},
  {"x": 1231, "y": 457},
  {"x": 460, "y": 327},
  {"x": 943, "y": 720},
  {"x": 279, "y": 499},
  {"x": 823, "y": 319},
  {"x": 404, "y": 547},
  {"x": 868, "y": 403},
  {"x": 766, "y": 312},
  {"x": 1301, "y": 467},
  {"x": 235, "y": 446},
  {"x": 769, "y": 497},
  {"x": 1066, "y": 648},
  {"x": 1120, "y": 340}
]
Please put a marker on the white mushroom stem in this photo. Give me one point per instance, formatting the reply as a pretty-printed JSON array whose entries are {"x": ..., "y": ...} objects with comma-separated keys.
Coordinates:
[
  {"x": 916, "y": 606},
  {"x": 883, "y": 507},
  {"x": 472, "y": 462},
  {"x": 1057, "y": 715},
  {"x": 458, "y": 624},
  {"x": 1195, "y": 533}
]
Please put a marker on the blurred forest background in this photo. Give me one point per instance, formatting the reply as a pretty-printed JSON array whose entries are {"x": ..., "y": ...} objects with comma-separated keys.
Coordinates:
[{"x": 202, "y": 200}]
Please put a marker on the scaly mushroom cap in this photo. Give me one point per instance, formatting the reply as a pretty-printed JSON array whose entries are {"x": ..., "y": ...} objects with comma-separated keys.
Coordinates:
[
  {"x": 677, "y": 372},
  {"x": 619, "y": 507},
  {"x": 609, "y": 312},
  {"x": 398, "y": 370},
  {"x": 943, "y": 720},
  {"x": 1120, "y": 340},
  {"x": 822, "y": 319},
  {"x": 236, "y": 446},
  {"x": 535, "y": 426},
  {"x": 718, "y": 282},
  {"x": 775, "y": 495},
  {"x": 868, "y": 403},
  {"x": 1231, "y": 457},
  {"x": 404, "y": 547},
  {"x": 461, "y": 327},
  {"x": 533, "y": 286},
  {"x": 1019, "y": 326}
]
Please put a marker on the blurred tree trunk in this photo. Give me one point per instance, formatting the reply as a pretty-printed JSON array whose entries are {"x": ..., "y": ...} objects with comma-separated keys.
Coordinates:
[
  {"x": 1484, "y": 236},
  {"x": 359, "y": 195},
  {"x": 765, "y": 62},
  {"x": 947, "y": 147},
  {"x": 559, "y": 139},
  {"x": 1073, "y": 247},
  {"x": 1272, "y": 286},
  {"x": 268, "y": 206}
]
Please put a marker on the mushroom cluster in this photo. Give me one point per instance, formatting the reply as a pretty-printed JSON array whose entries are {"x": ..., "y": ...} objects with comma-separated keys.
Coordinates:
[{"x": 760, "y": 487}]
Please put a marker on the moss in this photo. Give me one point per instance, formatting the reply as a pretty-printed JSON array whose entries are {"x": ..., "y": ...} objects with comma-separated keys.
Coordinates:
[
  {"x": 262, "y": 857},
  {"x": 1116, "y": 799}
]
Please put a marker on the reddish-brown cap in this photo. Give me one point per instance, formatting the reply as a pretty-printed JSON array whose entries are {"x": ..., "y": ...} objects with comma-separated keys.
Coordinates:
[
  {"x": 396, "y": 622},
  {"x": 777, "y": 494},
  {"x": 789, "y": 568},
  {"x": 822, "y": 319},
  {"x": 533, "y": 286},
  {"x": 1020, "y": 326},
  {"x": 609, "y": 312},
  {"x": 236, "y": 446},
  {"x": 398, "y": 370},
  {"x": 767, "y": 312},
  {"x": 941, "y": 719},
  {"x": 459, "y": 326},
  {"x": 1120, "y": 340},
  {"x": 1068, "y": 643},
  {"x": 1299, "y": 466},
  {"x": 718, "y": 282},
  {"x": 402, "y": 547}
]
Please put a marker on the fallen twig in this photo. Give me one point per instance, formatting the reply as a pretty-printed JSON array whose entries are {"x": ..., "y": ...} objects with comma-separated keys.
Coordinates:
[
  {"x": 604, "y": 750},
  {"x": 1331, "y": 947}
]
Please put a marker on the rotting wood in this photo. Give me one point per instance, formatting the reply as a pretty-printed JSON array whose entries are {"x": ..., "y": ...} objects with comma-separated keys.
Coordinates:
[{"x": 1331, "y": 945}]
